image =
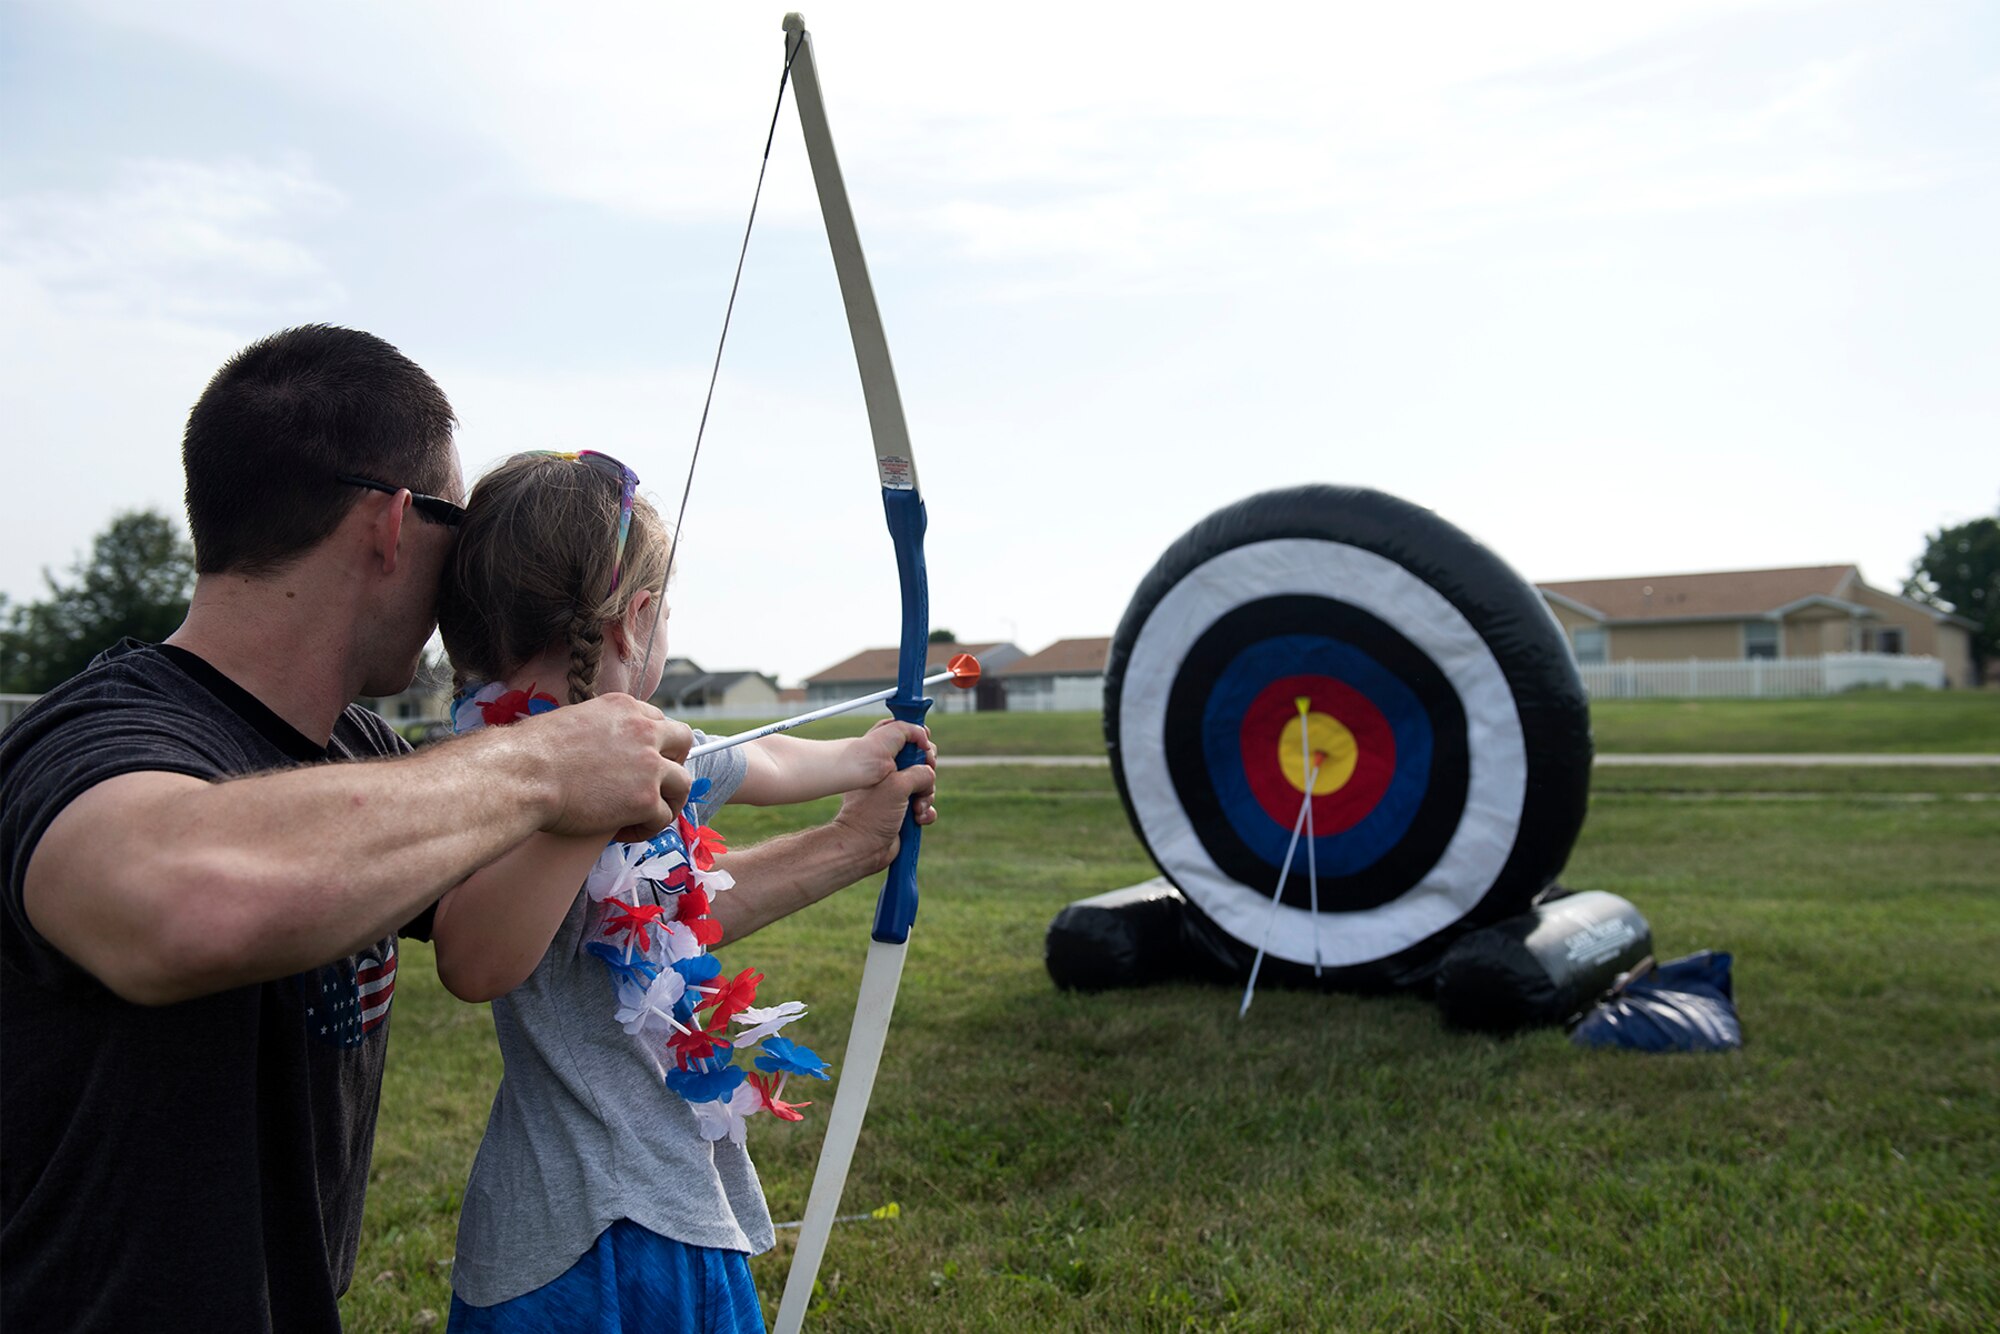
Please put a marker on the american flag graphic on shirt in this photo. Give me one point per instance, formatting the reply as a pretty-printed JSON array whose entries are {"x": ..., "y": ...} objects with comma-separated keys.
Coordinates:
[{"x": 352, "y": 996}]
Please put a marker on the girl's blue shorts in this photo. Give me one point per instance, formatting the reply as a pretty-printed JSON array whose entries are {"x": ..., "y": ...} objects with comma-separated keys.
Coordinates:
[{"x": 630, "y": 1282}]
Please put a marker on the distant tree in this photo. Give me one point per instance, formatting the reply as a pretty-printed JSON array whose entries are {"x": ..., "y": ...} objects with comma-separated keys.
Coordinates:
[
  {"x": 943, "y": 636},
  {"x": 1960, "y": 571},
  {"x": 135, "y": 582}
]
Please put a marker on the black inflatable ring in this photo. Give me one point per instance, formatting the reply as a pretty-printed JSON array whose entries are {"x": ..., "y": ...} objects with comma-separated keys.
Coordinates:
[{"x": 1430, "y": 682}]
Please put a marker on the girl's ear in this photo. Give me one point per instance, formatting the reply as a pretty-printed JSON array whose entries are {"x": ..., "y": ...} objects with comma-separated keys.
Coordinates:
[{"x": 629, "y": 630}]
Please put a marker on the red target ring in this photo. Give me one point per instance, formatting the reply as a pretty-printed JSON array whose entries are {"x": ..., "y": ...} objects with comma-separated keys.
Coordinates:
[{"x": 1265, "y": 748}]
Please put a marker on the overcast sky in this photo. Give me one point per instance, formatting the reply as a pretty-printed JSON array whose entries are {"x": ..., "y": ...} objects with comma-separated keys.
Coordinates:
[{"x": 1619, "y": 288}]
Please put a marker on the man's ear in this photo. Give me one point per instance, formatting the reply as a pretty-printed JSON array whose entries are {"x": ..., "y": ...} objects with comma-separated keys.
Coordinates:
[{"x": 385, "y": 529}]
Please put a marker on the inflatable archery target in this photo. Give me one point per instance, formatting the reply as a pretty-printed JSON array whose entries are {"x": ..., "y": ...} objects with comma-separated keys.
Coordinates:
[{"x": 1343, "y": 664}]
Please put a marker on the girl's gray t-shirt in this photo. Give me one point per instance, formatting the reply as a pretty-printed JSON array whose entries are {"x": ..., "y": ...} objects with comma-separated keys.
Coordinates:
[{"x": 584, "y": 1132}]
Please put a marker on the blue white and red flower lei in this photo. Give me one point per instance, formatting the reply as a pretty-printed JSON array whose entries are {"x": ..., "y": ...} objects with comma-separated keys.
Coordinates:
[{"x": 649, "y": 925}]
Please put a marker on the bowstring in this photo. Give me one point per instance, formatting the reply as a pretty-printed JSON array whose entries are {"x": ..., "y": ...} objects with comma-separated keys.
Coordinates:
[{"x": 715, "y": 371}]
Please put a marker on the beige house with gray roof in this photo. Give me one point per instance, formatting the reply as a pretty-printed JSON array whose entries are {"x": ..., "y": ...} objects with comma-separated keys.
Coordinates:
[
  {"x": 1807, "y": 612},
  {"x": 1067, "y": 676},
  {"x": 685, "y": 689}
]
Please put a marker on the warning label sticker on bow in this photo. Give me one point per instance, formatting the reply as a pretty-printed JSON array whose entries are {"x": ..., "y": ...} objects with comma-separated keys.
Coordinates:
[{"x": 897, "y": 473}]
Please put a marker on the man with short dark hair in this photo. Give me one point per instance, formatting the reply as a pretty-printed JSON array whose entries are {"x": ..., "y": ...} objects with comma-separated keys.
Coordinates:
[
  {"x": 200, "y": 890},
  {"x": 285, "y": 422}
]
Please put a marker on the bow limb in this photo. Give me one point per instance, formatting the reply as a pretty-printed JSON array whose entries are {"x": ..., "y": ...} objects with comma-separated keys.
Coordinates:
[{"x": 903, "y": 505}]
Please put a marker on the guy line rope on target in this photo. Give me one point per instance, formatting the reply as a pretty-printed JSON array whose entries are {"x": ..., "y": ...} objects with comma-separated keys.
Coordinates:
[{"x": 903, "y": 507}]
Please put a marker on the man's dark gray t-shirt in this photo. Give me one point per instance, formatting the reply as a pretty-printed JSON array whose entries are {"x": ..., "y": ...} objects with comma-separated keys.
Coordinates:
[{"x": 196, "y": 1165}]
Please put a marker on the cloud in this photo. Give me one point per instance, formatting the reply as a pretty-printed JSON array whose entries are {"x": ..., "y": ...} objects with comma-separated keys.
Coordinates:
[
  {"x": 174, "y": 239},
  {"x": 1340, "y": 164},
  {"x": 123, "y": 298},
  {"x": 1054, "y": 149}
]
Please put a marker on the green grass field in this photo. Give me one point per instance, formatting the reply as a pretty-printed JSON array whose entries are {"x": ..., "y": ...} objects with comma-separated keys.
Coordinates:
[
  {"x": 1858, "y": 722},
  {"x": 1141, "y": 1160}
]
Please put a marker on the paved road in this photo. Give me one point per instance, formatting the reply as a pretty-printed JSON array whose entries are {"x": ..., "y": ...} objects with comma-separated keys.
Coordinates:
[{"x": 1608, "y": 761}]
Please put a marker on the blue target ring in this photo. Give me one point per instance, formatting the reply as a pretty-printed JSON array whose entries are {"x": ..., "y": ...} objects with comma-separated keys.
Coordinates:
[{"x": 1352, "y": 850}]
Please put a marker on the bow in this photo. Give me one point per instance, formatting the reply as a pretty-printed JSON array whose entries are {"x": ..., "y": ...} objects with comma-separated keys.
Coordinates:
[{"x": 903, "y": 505}]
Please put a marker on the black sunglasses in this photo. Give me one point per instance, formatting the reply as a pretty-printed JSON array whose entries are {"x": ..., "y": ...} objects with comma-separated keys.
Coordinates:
[{"x": 435, "y": 508}]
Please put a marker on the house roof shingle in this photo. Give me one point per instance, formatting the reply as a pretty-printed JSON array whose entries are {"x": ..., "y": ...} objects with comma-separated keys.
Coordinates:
[
  {"x": 1065, "y": 657},
  {"x": 1692, "y": 596},
  {"x": 879, "y": 664}
]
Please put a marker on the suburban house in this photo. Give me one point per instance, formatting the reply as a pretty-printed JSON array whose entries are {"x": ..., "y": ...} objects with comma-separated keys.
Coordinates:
[
  {"x": 427, "y": 699},
  {"x": 875, "y": 669},
  {"x": 685, "y": 688},
  {"x": 1067, "y": 676},
  {"x": 1818, "y": 612}
]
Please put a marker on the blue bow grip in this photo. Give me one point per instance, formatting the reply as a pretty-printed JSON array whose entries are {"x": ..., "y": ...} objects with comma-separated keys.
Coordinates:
[{"x": 896, "y": 909}]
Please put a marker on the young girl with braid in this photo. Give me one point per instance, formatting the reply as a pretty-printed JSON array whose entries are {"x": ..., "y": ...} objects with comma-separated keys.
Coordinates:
[{"x": 612, "y": 1190}]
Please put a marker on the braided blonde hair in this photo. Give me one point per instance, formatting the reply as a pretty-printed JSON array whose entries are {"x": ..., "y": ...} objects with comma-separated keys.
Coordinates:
[{"x": 532, "y": 569}]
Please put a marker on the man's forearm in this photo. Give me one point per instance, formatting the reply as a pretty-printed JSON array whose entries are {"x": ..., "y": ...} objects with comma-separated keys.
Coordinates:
[
  {"x": 375, "y": 843},
  {"x": 222, "y": 884},
  {"x": 219, "y": 884}
]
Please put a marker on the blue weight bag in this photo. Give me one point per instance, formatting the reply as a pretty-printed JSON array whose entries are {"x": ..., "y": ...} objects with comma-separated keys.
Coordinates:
[{"x": 1682, "y": 1005}]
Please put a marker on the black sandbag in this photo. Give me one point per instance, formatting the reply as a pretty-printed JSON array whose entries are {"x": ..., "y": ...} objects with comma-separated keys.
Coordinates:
[
  {"x": 1542, "y": 967},
  {"x": 1684, "y": 1005},
  {"x": 1126, "y": 938}
]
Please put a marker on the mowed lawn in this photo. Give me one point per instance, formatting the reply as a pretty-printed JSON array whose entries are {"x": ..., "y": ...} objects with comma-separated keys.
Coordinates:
[{"x": 1142, "y": 1160}]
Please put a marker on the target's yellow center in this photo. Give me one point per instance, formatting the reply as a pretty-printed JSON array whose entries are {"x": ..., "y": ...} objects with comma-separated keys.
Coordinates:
[{"x": 1326, "y": 735}]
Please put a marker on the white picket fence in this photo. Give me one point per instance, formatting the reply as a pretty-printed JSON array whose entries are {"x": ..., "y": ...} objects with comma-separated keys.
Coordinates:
[
  {"x": 1757, "y": 677},
  {"x": 1056, "y": 694}
]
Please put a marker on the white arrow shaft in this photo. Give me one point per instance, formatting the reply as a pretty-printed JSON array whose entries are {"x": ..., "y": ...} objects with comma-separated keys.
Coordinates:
[
  {"x": 1305, "y": 809},
  {"x": 787, "y": 724}
]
